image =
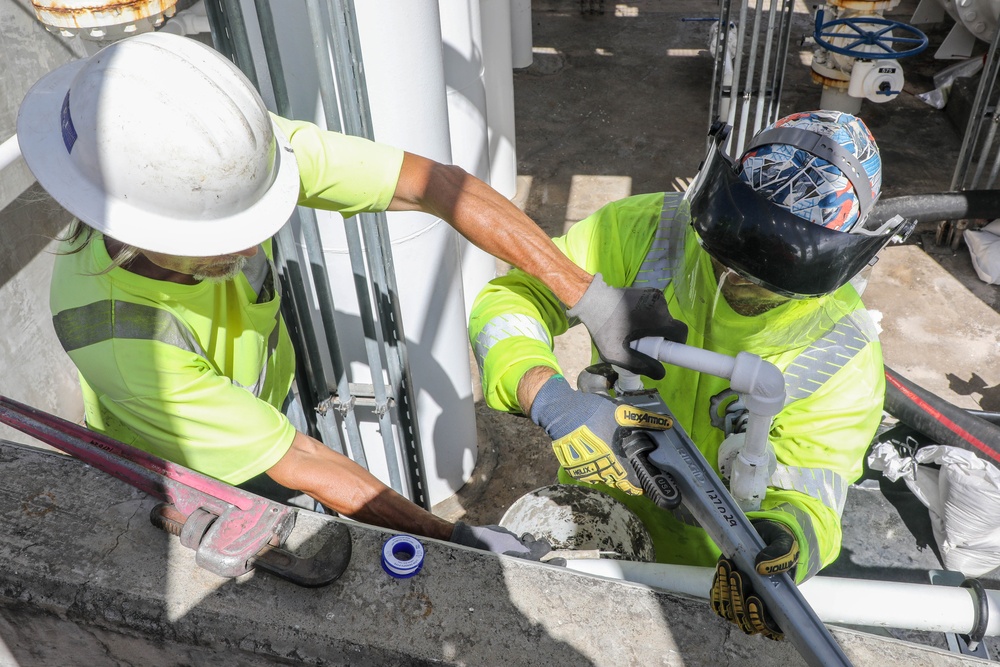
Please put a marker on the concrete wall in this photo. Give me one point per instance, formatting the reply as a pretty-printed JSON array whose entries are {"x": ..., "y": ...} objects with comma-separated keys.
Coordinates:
[
  {"x": 83, "y": 569},
  {"x": 33, "y": 367}
]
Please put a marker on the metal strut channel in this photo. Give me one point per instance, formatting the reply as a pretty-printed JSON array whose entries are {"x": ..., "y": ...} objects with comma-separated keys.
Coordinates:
[{"x": 334, "y": 36}]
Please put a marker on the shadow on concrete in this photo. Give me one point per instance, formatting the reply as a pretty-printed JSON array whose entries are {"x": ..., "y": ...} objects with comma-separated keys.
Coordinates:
[
  {"x": 29, "y": 224},
  {"x": 989, "y": 399}
]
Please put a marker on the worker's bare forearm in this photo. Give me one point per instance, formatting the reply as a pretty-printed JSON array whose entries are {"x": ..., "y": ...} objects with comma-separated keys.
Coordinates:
[
  {"x": 350, "y": 490},
  {"x": 529, "y": 385},
  {"x": 489, "y": 220}
]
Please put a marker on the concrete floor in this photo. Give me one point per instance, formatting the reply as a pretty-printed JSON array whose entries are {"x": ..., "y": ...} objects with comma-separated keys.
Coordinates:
[{"x": 617, "y": 104}]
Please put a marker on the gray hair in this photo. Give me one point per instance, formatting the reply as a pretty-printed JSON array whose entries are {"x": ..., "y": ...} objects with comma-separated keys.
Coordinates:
[{"x": 80, "y": 236}]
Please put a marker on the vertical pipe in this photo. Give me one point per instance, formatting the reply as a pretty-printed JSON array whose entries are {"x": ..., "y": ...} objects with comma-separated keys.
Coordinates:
[
  {"x": 499, "y": 95},
  {"x": 221, "y": 38},
  {"x": 402, "y": 48},
  {"x": 737, "y": 71},
  {"x": 465, "y": 83},
  {"x": 777, "y": 86},
  {"x": 992, "y": 179},
  {"x": 987, "y": 81},
  {"x": 521, "y": 33},
  {"x": 718, "y": 107},
  {"x": 763, "y": 91},
  {"x": 748, "y": 91},
  {"x": 984, "y": 150},
  {"x": 239, "y": 40}
]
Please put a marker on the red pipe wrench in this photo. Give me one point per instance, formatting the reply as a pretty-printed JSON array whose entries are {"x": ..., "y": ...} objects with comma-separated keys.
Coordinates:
[{"x": 231, "y": 530}]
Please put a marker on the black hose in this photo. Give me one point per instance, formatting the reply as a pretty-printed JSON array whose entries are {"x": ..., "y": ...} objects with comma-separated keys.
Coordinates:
[
  {"x": 939, "y": 420},
  {"x": 991, "y": 417},
  {"x": 938, "y": 206}
]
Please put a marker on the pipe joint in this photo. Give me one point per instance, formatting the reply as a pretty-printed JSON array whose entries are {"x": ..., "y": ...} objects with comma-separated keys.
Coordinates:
[{"x": 760, "y": 383}]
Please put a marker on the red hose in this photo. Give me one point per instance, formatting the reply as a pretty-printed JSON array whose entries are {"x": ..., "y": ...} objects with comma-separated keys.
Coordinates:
[{"x": 941, "y": 421}]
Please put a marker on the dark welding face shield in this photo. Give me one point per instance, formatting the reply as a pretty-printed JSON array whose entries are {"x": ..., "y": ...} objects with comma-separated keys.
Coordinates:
[{"x": 766, "y": 244}]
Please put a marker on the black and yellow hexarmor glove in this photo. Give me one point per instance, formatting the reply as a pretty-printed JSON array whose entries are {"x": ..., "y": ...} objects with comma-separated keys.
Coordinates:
[
  {"x": 586, "y": 431},
  {"x": 732, "y": 596}
]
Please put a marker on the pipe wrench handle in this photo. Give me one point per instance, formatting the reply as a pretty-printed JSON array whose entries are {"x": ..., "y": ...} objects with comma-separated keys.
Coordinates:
[{"x": 658, "y": 485}]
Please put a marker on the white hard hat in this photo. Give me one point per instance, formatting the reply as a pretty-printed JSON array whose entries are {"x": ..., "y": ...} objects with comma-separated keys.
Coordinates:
[{"x": 161, "y": 143}]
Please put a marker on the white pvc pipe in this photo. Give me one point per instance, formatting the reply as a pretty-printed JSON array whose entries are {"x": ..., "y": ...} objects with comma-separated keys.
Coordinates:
[
  {"x": 685, "y": 356},
  {"x": 762, "y": 388},
  {"x": 836, "y": 600},
  {"x": 10, "y": 152},
  {"x": 464, "y": 77},
  {"x": 190, "y": 21},
  {"x": 403, "y": 60},
  {"x": 499, "y": 95},
  {"x": 522, "y": 54}
]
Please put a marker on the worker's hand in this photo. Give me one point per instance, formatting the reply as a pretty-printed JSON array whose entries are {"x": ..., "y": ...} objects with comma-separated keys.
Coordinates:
[
  {"x": 732, "y": 596},
  {"x": 616, "y": 316},
  {"x": 586, "y": 431},
  {"x": 499, "y": 540}
]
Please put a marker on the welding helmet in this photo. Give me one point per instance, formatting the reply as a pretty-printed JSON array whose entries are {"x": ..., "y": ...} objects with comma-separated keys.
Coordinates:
[
  {"x": 160, "y": 142},
  {"x": 790, "y": 215},
  {"x": 774, "y": 239}
]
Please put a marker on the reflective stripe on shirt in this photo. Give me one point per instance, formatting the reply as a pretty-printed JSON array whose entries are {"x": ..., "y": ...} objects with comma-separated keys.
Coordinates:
[
  {"x": 824, "y": 485},
  {"x": 657, "y": 269},
  {"x": 106, "y": 320},
  {"x": 103, "y": 320},
  {"x": 821, "y": 360},
  {"x": 507, "y": 326}
]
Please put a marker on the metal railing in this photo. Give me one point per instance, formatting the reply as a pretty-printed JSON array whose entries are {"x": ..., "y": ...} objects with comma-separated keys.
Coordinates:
[
  {"x": 980, "y": 147},
  {"x": 749, "y": 73}
]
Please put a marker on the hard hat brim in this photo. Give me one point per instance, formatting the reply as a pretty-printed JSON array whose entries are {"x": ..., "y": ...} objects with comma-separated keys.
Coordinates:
[{"x": 41, "y": 139}]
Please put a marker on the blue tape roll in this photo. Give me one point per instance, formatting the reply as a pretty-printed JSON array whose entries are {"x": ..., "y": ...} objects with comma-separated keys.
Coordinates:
[{"x": 402, "y": 556}]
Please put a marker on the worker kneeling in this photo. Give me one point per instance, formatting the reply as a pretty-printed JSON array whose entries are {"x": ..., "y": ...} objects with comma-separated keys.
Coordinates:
[{"x": 761, "y": 255}]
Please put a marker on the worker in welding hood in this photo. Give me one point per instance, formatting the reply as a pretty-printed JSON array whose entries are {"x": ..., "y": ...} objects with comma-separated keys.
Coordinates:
[
  {"x": 758, "y": 255},
  {"x": 165, "y": 295}
]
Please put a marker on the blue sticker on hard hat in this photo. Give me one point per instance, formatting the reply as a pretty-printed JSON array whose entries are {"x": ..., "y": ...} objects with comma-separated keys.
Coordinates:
[{"x": 68, "y": 131}]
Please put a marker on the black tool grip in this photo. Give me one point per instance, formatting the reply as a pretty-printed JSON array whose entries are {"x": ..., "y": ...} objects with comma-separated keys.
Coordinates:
[{"x": 658, "y": 486}]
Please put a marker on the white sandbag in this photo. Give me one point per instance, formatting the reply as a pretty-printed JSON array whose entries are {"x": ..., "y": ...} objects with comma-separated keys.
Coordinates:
[
  {"x": 962, "y": 497},
  {"x": 984, "y": 246}
]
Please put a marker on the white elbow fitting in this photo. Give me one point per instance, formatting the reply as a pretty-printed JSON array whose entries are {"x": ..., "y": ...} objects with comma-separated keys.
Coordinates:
[{"x": 760, "y": 383}]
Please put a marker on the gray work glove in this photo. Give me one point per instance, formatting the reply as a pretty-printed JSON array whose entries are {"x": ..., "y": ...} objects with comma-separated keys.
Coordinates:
[
  {"x": 499, "y": 540},
  {"x": 616, "y": 316}
]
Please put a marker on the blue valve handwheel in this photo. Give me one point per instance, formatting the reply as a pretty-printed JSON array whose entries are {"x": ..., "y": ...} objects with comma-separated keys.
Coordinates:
[{"x": 869, "y": 31}]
